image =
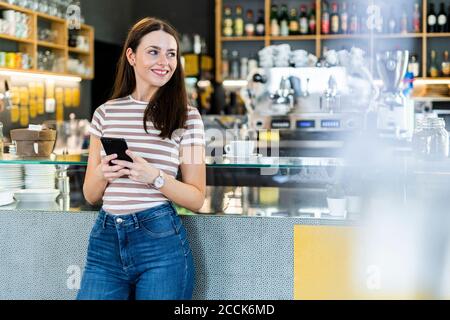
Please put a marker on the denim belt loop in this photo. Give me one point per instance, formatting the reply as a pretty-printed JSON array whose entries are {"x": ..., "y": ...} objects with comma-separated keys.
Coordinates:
[
  {"x": 105, "y": 216},
  {"x": 136, "y": 221}
]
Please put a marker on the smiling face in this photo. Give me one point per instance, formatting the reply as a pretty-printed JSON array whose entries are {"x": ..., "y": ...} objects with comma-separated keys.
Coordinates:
[{"x": 155, "y": 59}]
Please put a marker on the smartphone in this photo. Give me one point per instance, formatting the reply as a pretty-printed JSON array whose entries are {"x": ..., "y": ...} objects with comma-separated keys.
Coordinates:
[{"x": 117, "y": 146}]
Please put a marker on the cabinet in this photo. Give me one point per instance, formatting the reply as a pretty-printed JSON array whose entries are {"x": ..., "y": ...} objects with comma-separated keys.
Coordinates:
[
  {"x": 49, "y": 34},
  {"x": 422, "y": 42}
]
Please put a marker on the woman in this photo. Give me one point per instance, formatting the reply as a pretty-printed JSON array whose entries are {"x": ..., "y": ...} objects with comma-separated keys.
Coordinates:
[{"x": 138, "y": 247}]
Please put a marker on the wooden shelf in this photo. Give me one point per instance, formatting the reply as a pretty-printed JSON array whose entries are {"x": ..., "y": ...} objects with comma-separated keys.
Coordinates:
[
  {"x": 438, "y": 35},
  {"x": 39, "y": 72},
  {"x": 51, "y": 45},
  {"x": 399, "y": 36},
  {"x": 81, "y": 76},
  {"x": 320, "y": 38},
  {"x": 16, "y": 8},
  {"x": 50, "y": 18},
  {"x": 246, "y": 38},
  {"x": 16, "y": 39},
  {"x": 293, "y": 38},
  {"x": 343, "y": 36},
  {"x": 78, "y": 51},
  {"x": 31, "y": 46}
]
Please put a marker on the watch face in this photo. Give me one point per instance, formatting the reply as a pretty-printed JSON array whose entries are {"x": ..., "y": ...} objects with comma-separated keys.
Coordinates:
[{"x": 159, "y": 182}]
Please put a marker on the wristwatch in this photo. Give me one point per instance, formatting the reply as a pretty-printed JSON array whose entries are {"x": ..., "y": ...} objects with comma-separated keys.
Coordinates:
[{"x": 158, "y": 183}]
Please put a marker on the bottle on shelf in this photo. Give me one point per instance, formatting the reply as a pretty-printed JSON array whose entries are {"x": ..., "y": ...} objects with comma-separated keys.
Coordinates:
[
  {"x": 73, "y": 35},
  {"x": 260, "y": 24},
  {"x": 227, "y": 22},
  {"x": 294, "y": 28},
  {"x": 448, "y": 19},
  {"x": 434, "y": 71},
  {"x": 404, "y": 22},
  {"x": 284, "y": 21},
  {"x": 249, "y": 24},
  {"x": 225, "y": 64},
  {"x": 234, "y": 65},
  {"x": 392, "y": 22},
  {"x": 442, "y": 19},
  {"x": 413, "y": 66},
  {"x": 238, "y": 22},
  {"x": 416, "y": 19},
  {"x": 312, "y": 19},
  {"x": 303, "y": 20},
  {"x": 354, "y": 20},
  {"x": 344, "y": 18},
  {"x": 334, "y": 18},
  {"x": 244, "y": 68},
  {"x": 274, "y": 26},
  {"x": 381, "y": 24},
  {"x": 445, "y": 65},
  {"x": 325, "y": 25},
  {"x": 431, "y": 19}
]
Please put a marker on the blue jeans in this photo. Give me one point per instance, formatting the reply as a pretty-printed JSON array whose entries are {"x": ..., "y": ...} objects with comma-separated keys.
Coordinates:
[{"x": 142, "y": 256}]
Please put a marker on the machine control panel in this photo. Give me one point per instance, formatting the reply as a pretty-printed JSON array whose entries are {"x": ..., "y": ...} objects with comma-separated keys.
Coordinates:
[
  {"x": 310, "y": 122},
  {"x": 281, "y": 123},
  {"x": 330, "y": 123},
  {"x": 305, "y": 124}
]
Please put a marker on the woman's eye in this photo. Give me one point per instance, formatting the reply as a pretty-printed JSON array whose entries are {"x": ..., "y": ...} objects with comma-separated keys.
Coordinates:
[
  {"x": 153, "y": 52},
  {"x": 172, "y": 54}
]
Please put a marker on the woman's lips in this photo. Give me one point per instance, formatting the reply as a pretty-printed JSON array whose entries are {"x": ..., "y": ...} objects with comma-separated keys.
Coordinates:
[{"x": 160, "y": 72}]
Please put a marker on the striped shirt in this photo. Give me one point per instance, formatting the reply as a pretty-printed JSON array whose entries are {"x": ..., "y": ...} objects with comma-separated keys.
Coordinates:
[{"x": 123, "y": 118}]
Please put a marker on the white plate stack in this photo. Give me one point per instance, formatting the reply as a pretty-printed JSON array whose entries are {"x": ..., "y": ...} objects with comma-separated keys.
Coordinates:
[
  {"x": 36, "y": 195},
  {"x": 6, "y": 197},
  {"x": 39, "y": 176},
  {"x": 11, "y": 176}
]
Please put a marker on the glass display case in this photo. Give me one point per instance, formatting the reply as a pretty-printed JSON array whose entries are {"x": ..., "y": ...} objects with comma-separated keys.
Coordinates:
[{"x": 260, "y": 187}]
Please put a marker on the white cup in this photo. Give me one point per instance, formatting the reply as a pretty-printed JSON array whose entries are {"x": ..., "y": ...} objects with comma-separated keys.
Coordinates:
[
  {"x": 240, "y": 148},
  {"x": 337, "y": 207}
]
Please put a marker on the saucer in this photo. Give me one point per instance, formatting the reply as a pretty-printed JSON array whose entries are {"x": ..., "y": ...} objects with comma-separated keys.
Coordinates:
[{"x": 251, "y": 158}]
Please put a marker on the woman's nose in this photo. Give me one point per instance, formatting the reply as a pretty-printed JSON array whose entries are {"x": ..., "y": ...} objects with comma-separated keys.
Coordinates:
[{"x": 163, "y": 60}]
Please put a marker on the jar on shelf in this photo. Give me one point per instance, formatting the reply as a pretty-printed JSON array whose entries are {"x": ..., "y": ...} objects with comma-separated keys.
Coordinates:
[{"x": 431, "y": 139}]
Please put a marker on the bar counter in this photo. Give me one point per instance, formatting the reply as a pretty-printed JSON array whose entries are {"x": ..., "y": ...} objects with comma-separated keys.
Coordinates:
[{"x": 242, "y": 239}]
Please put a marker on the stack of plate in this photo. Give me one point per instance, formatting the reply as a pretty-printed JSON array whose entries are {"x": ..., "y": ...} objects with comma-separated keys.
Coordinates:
[
  {"x": 39, "y": 176},
  {"x": 36, "y": 195},
  {"x": 11, "y": 176},
  {"x": 6, "y": 197}
]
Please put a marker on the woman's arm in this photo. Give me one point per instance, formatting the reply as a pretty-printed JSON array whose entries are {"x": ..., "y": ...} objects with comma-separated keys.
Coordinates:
[
  {"x": 99, "y": 173},
  {"x": 189, "y": 193}
]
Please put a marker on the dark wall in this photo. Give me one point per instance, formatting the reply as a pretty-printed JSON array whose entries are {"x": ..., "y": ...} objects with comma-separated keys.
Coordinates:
[
  {"x": 113, "y": 18},
  {"x": 187, "y": 16},
  {"x": 110, "y": 18}
]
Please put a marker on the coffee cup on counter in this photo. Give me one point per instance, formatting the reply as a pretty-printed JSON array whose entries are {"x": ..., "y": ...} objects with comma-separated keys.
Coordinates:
[{"x": 240, "y": 148}]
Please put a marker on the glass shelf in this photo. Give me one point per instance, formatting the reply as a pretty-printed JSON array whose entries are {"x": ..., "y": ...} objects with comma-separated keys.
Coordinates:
[
  {"x": 211, "y": 162},
  {"x": 79, "y": 160}
]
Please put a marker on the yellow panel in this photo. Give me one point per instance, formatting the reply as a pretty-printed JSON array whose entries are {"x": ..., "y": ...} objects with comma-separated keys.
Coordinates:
[
  {"x": 322, "y": 262},
  {"x": 325, "y": 267},
  {"x": 191, "y": 65}
]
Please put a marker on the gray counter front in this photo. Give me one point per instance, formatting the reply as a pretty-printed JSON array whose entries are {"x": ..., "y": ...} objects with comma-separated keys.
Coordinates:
[{"x": 43, "y": 254}]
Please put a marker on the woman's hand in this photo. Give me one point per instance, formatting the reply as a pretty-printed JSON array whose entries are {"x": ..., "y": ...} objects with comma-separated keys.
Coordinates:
[
  {"x": 139, "y": 170},
  {"x": 111, "y": 173}
]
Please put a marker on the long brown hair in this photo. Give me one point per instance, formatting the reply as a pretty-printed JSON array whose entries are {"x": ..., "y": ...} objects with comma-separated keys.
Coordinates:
[{"x": 167, "y": 108}]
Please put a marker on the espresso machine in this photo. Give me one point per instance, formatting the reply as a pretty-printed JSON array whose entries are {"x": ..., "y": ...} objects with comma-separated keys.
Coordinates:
[
  {"x": 395, "y": 112},
  {"x": 311, "y": 107}
]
